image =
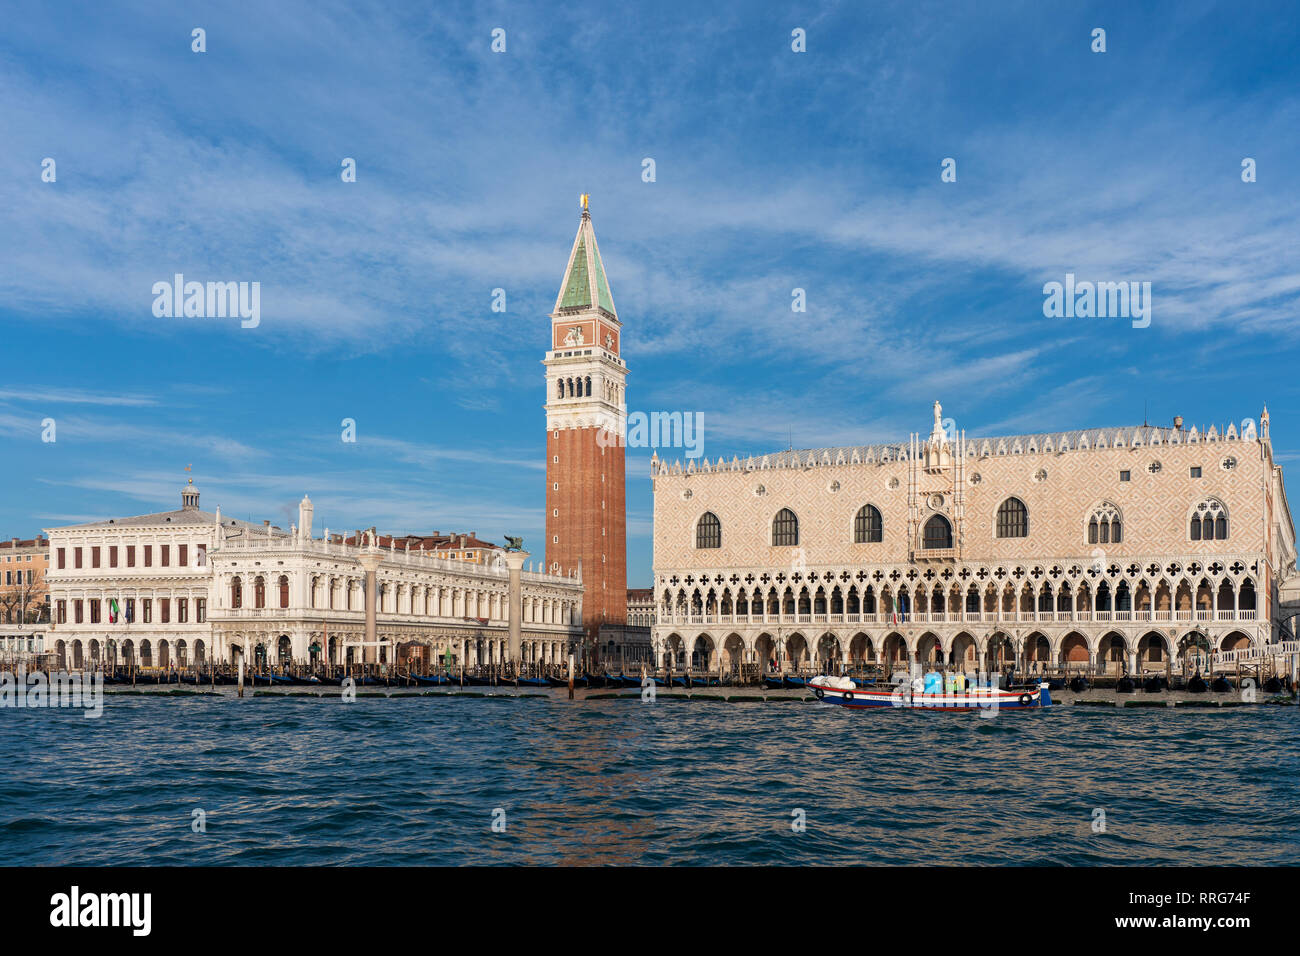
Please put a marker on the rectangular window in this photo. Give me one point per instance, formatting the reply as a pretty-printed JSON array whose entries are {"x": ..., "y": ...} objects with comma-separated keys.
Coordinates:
[
  {"x": 1196, "y": 471},
  {"x": 63, "y": 558},
  {"x": 146, "y": 610},
  {"x": 148, "y": 555},
  {"x": 130, "y": 555},
  {"x": 1123, "y": 476},
  {"x": 77, "y": 612},
  {"x": 201, "y": 610},
  {"x": 201, "y": 555},
  {"x": 165, "y": 557},
  {"x": 76, "y": 557},
  {"x": 112, "y": 556},
  {"x": 182, "y": 610},
  {"x": 94, "y": 557},
  {"x": 165, "y": 609},
  {"x": 94, "y": 611},
  {"x": 182, "y": 555},
  {"x": 130, "y": 610},
  {"x": 63, "y": 612}
]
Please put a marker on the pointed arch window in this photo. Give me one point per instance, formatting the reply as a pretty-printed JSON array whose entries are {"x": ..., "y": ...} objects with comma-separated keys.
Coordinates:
[
  {"x": 708, "y": 531},
  {"x": 785, "y": 528},
  {"x": 1105, "y": 525},
  {"x": 1013, "y": 519},
  {"x": 1209, "y": 522},
  {"x": 867, "y": 526},
  {"x": 937, "y": 533},
  {"x": 236, "y": 592}
]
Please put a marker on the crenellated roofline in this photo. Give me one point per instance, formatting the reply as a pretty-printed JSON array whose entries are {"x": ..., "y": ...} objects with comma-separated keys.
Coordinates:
[{"x": 1042, "y": 443}]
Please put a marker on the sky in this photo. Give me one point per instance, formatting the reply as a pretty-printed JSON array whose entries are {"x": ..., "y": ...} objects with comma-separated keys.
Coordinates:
[{"x": 774, "y": 170}]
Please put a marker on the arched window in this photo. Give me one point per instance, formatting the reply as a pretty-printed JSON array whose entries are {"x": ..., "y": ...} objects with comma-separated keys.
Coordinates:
[
  {"x": 588, "y": 380},
  {"x": 867, "y": 527},
  {"x": 937, "y": 533},
  {"x": 1209, "y": 522},
  {"x": 1105, "y": 526},
  {"x": 259, "y": 591},
  {"x": 785, "y": 528},
  {"x": 236, "y": 592},
  {"x": 559, "y": 387},
  {"x": 1013, "y": 519},
  {"x": 708, "y": 532},
  {"x": 284, "y": 591}
]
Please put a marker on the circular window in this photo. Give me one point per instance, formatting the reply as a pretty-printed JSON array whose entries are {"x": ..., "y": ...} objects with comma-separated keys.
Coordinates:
[
  {"x": 1040, "y": 474},
  {"x": 833, "y": 487},
  {"x": 1154, "y": 467},
  {"x": 760, "y": 491},
  {"x": 687, "y": 495},
  {"x": 976, "y": 478},
  {"x": 1228, "y": 463},
  {"x": 936, "y": 502},
  {"x": 893, "y": 483}
]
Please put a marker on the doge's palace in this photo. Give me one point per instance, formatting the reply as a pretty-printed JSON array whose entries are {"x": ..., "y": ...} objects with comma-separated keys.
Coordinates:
[{"x": 1111, "y": 547}]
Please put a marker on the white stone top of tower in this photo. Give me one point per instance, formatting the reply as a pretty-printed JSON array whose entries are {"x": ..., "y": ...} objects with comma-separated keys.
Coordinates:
[{"x": 189, "y": 495}]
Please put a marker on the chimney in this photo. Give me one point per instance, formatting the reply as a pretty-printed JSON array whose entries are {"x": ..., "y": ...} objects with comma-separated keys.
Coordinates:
[{"x": 13, "y": 542}]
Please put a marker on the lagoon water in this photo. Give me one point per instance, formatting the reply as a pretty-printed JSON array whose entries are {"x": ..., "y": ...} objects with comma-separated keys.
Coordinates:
[{"x": 302, "y": 781}]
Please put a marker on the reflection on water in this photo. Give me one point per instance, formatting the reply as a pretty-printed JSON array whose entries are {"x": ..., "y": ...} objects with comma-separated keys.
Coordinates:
[{"x": 416, "y": 781}]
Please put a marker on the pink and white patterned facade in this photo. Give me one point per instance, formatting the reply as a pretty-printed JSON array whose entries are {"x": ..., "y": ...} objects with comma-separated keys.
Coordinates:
[{"x": 1112, "y": 547}]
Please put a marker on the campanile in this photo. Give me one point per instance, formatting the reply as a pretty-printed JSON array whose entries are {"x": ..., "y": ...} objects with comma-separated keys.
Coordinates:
[{"x": 586, "y": 414}]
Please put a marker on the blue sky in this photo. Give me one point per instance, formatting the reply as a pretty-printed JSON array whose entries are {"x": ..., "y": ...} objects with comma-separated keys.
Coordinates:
[{"x": 774, "y": 170}]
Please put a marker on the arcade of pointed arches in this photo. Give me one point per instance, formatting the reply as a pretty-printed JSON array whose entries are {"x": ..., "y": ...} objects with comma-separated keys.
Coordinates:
[
  {"x": 1168, "y": 602},
  {"x": 1109, "y": 651}
]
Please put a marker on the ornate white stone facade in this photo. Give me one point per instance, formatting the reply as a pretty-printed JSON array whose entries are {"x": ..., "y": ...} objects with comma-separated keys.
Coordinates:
[
  {"x": 282, "y": 596},
  {"x": 976, "y": 550}
]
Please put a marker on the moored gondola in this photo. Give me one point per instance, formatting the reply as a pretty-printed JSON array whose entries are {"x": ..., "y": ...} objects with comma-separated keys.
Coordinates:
[
  {"x": 433, "y": 680},
  {"x": 1153, "y": 685},
  {"x": 1273, "y": 685},
  {"x": 773, "y": 681},
  {"x": 1220, "y": 685},
  {"x": 793, "y": 683},
  {"x": 564, "y": 681},
  {"x": 1196, "y": 684},
  {"x": 1125, "y": 685},
  {"x": 534, "y": 682},
  {"x": 1078, "y": 684}
]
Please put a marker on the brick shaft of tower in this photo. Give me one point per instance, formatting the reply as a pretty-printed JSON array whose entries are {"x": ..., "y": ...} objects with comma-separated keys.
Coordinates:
[{"x": 586, "y": 414}]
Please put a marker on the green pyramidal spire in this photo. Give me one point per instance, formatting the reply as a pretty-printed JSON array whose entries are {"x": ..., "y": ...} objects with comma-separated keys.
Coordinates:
[{"x": 585, "y": 286}]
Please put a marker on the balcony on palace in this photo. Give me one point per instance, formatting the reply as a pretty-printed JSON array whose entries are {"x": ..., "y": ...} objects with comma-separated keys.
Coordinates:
[{"x": 958, "y": 617}]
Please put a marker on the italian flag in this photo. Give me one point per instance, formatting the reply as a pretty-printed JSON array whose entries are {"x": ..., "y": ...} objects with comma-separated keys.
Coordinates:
[{"x": 113, "y": 611}]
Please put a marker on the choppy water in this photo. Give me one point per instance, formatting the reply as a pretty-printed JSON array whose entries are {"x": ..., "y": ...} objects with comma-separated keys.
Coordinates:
[{"x": 416, "y": 780}]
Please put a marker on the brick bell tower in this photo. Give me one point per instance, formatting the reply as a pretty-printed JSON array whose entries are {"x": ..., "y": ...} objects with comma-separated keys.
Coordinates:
[{"x": 586, "y": 415}]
